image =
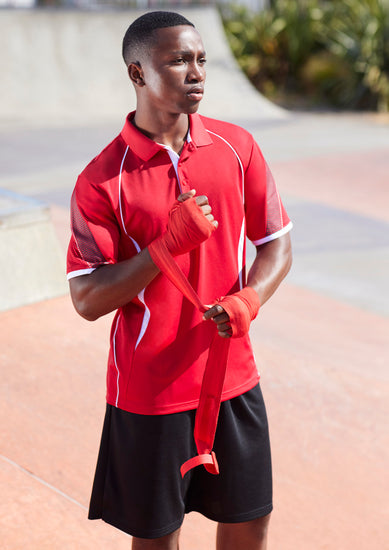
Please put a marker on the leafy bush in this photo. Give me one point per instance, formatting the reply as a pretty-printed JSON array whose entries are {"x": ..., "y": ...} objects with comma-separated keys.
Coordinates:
[
  {"x": 358, "y": 33},
  {"x": 321, "y": 52}
]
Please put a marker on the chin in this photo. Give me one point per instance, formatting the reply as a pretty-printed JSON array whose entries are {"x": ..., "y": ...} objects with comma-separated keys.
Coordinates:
[{"x": 192, "y": 109}]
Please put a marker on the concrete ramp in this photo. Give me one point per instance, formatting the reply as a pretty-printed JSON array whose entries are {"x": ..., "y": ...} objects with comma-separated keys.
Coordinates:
[
  {"x": 32, "y": 261},
  {"x": 65, "y": 67}
]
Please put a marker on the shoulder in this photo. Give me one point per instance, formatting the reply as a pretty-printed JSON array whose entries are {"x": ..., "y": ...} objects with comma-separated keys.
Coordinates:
[
  {"x": 231, "y": 135},
  {"x": 106, "y": 164},
  {"x": 231, "y": 132}
]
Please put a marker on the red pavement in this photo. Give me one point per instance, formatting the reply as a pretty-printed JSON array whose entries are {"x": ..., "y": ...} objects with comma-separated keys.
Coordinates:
[
  {"x": 323, "y": 367},
  {"x": 350, "y": 181}
]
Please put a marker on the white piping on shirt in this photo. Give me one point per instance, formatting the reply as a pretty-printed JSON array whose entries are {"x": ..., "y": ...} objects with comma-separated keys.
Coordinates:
[
  {"x": 275, "y": 235},
  {"x": 241, "y": 253},
  {"x": 242, "y": 231},
  {"x": 237, "y": 156},
  {"x": 116, "y": 363},
  {"x": 146, "y": 315},
  {"x": 120, "y": 203},
  {"x": 79, "y": 272}
]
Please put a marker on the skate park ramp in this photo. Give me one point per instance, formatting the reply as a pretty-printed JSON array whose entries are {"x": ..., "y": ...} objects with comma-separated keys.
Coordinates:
[{"x": 65, "y": 66}]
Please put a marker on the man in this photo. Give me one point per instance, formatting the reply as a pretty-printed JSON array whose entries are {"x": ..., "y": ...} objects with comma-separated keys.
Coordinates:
[{"x": 193, "y": 188}]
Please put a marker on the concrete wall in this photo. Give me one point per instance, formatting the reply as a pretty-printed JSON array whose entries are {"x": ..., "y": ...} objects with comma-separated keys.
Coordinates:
[{"x": 66, "y": 67}]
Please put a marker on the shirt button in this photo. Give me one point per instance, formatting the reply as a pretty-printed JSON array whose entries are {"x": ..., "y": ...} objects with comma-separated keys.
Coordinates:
[{"x": 184, "y": 186}]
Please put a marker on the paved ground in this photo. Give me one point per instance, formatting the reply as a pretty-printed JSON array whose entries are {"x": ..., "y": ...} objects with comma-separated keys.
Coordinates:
[{"x": 321, "y": 343}]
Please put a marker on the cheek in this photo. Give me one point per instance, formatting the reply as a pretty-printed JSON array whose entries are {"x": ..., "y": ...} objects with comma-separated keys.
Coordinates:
[
  {"x": 154, "y": 83},
  {"x": 164, "y": 81}
]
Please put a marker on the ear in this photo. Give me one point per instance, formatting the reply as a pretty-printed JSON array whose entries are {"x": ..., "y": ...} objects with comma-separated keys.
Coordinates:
[{"x": 135, "y": 73}]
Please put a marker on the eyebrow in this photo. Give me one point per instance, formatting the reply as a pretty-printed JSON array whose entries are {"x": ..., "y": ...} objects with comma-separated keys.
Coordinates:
[{"x": 186, "y": 52}]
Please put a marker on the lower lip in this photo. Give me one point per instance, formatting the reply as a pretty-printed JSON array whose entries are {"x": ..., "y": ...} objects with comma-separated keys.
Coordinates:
[{"x": 196, "y": 96}]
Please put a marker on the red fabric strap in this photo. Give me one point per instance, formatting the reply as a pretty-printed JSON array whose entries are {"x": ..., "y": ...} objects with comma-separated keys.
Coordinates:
[
  {"x": 241, "y": 308},
  {"x": 207, "y": 460}
]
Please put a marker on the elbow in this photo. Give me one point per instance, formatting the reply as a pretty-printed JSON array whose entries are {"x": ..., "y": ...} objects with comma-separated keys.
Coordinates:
[
  {"x": 84, "y": 309},
  {"x": 83, "y": 298},
  {"x": 85, "y": 312},
  {"x": 88, "y": 315}
]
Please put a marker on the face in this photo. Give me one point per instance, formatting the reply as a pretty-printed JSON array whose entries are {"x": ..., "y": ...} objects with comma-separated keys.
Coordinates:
[{"x": 173, "y": 74}]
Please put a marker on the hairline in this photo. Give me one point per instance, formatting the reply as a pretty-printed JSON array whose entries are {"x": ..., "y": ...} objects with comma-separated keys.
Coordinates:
[{"x": 145, "y": 44}]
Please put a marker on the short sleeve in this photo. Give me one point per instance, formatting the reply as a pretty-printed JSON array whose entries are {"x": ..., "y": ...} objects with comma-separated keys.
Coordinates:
[
  {"x": 94, "y": 230},
  {"x": 266, "y": 217}
]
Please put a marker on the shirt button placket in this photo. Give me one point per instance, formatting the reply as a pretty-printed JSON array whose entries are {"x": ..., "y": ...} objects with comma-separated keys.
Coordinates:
[{"x": 183, "y": 179}]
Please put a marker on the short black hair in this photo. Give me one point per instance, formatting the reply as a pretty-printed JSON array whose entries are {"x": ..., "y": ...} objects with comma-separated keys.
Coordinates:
[{"x": 140, "y": 33}]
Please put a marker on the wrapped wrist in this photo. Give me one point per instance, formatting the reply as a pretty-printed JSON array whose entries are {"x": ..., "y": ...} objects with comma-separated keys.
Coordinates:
[
  {"x": 187, "y": 227},
  {"x": 241, "y": 307}
]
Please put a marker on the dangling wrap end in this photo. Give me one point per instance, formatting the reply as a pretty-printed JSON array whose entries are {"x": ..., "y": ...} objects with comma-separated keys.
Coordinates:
[{"x": 208, "y": 460}]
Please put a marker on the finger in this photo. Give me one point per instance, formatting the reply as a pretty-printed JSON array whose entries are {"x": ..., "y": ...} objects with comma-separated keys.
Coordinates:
[
  {"x": 213, "y": 312},
  {"x": 188, "y": 195},
  {"x": 202, "y": 200},
  {"x": 224, "y": 327},
  {"x": 212, "y": 220},
  {"x": 225, "y": 334},
  {"x": 206, "y": 209},
  {"x": 207, "y": 213},
  {"x": 222, "y": 318}
]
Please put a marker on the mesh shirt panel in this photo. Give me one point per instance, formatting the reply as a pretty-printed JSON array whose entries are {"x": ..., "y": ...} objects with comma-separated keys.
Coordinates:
[{"x": 84, "y": 239}]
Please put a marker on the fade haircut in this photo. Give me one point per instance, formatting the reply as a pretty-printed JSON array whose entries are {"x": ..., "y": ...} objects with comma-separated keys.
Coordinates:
[{"x": 140, "y": 34}]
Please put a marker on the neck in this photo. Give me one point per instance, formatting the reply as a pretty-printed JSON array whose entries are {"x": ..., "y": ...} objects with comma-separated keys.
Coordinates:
[{"x": 164, "y": 128}]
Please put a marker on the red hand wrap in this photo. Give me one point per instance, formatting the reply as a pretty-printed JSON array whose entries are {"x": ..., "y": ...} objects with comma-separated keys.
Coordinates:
[
  {"x": 187, "y": 227},
  {"x": 241, "y": 307}
]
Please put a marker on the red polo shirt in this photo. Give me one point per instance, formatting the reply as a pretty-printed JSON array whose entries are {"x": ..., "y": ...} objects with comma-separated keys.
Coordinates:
[{"x": 159, "y": 343}]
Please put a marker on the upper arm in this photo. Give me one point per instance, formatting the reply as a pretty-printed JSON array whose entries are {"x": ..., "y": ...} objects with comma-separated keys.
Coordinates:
[{"x": 281, "y": 246}]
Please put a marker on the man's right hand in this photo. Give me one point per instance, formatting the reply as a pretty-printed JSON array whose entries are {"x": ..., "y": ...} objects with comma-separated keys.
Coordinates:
[
  {"x": 190, "y": 223},
  {"x": 202, "y": 201}
]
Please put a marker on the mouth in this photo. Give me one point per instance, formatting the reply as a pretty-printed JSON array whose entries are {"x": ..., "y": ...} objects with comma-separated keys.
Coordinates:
[{"x": 195, "y": 93}]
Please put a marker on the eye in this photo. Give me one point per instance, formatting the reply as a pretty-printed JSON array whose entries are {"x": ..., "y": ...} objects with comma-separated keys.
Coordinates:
[
  {"x": 178, "y": 60},
  {"x": 202, "y": 61}
]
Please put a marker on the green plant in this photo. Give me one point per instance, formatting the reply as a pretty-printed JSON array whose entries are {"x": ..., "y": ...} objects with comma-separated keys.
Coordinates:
[
  {"x": 333, "y": 52},
  {"x": 272, "y": 45},
  {"x": 358, "y": 33}
]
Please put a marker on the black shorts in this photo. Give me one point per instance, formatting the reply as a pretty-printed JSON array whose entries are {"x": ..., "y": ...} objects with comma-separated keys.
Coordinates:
[{"x": 138, "y": 487}]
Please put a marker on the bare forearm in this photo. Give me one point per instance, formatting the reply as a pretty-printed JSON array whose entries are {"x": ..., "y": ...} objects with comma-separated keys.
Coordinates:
[
  {"x": 112, "y": 286},
  {"x": 270, "y": 267}
]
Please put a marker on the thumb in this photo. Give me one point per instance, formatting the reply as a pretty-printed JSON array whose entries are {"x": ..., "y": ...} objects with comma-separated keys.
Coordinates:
[{"x": 185, "y": 196}]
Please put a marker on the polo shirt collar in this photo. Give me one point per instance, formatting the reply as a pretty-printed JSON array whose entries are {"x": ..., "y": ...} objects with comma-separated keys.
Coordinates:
[
  {"x": 143, "y": 147},
  {"x": 146, "y": 148},
  {"x": 199, "y": 135}
]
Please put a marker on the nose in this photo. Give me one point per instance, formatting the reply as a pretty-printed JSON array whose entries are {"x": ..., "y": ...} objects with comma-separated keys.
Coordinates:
[{"x": 196, "y": 72}]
